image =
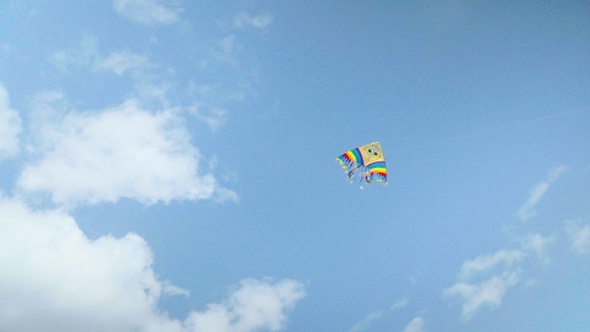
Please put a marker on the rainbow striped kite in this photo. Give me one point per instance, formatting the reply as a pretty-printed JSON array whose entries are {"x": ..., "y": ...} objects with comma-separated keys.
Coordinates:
[{"x": 367, "y": 159}]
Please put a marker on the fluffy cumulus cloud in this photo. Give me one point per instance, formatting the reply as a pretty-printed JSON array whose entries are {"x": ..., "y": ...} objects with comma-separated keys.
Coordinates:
[
  {"x": 122, "y": 152},
  {"x": 578, "y": 235},
  {"x": 252, "y": 306},
  {"x": 56, "y": 279},
  {"x": 527, "y": 210},
  {"x": 10, "y": 127},
  {"x": 149, "y": 12}
]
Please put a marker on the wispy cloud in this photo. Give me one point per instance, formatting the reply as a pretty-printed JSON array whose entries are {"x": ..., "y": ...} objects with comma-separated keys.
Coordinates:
[
  {"x": 56, "y": 279},
  {"x": 173, "y": 290},
  {"x": 86, "y": 55},
  {"x": 483, "y": 281},
  {"x": 225, "y": 54},
  {"x": 527, "y": 210},
  {"x": 578, "y": 235},
  {"x": 400, "y": 304},
  {"x": 212, "y": 116},
  {"x": 122, "y": 61},
  {"x": 82, "y": 54},
  {"x": 223, "y": 51},
  {"x": 486, "y": 262},
  {"x": 121, "y": 152},
  {"x": 487, "y": 293},
  {"x": 364, "y": 323},
  {"x": 538, "y": 244},
  {"x": 209, "y": 105},
  {"x": 415, "y": 325},
  {"x": 245, "y": 20},
  {"x": 149, "y": 12},
  {"x": 154, "y": 95},
  {"x": 10, "y": 127}
]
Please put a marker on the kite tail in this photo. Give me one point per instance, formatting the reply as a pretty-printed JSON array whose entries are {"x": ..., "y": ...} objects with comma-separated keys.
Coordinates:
[
  {"x": 376, "y": 171},
  {"x": 373, "y": 172},
  {"x": 349, "y": 165}
]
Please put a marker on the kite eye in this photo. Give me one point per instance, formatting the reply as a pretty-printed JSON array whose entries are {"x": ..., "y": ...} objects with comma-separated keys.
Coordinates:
[
  {"x": 370, "y": 150},
  {"x": 375, "y": 153}
]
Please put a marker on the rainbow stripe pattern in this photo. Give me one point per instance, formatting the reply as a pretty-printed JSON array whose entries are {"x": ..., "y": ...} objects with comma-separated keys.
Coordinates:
[
  {"x": 366, "y": 160},
  {"x": 376, "y": 171},
  {"x": 352, "y": 158}
]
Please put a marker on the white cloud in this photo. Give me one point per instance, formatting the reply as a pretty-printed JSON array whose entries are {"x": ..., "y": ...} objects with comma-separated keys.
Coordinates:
[
  {"x": 82, "y": 54},
  {"x": 47, "y": 108},
  {"x": 245, "y": 20},
  {"x": 484, "y": 280},
  {"x": 486, "y": 262},
  {"x": 56, "y": 279},
  {"x": 254, "y": 305},
  {"x": 400, "y": 304},
  {"x": 538, "y": 244},
  {"x": 212, "y": 116},
  {"x": 10, "y": 127},
  {"x": 364, "y": 324},
  {"x": 122, "y": 61},
  {"x": 223, "y": 51},
  {"x": 579, "y": 236},
  {"x": 227, "y": 48},
  {"x": 415, "y": 325},
  {"x": 209, "y": 100},
  {"x": 153, "y": 95},
  {"x": 489, "y": 292},
  {"x": 475, "y": 294},
  {"x": 149, "y": 12},
  {"x": 85, "y": 54},
  {"x": 122, "y": 152},
  {"x": 170, "y": 289},
  {"x": 527, "y": 210}
]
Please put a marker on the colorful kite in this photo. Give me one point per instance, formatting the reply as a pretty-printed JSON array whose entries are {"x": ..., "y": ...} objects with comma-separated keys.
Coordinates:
[{"x": 368, "y": 160}]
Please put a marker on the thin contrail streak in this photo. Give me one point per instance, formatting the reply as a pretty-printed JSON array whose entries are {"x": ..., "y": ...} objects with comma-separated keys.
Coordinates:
[{"x": 487, "y": 131}]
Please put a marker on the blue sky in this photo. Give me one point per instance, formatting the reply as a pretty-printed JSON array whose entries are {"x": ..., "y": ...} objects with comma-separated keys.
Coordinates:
[{"x": 170, "y": 166}]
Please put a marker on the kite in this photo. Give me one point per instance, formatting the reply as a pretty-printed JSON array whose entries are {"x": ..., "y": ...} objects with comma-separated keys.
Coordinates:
[{"x": 368, "y": 160}]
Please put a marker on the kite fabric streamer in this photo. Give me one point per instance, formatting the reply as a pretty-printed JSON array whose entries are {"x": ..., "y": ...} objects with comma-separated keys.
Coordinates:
[{"x": 368, "y": 160}]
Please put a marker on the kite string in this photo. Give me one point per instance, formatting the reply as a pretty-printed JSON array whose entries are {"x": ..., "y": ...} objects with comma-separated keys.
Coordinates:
[{"x": 487, "y": 131}]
